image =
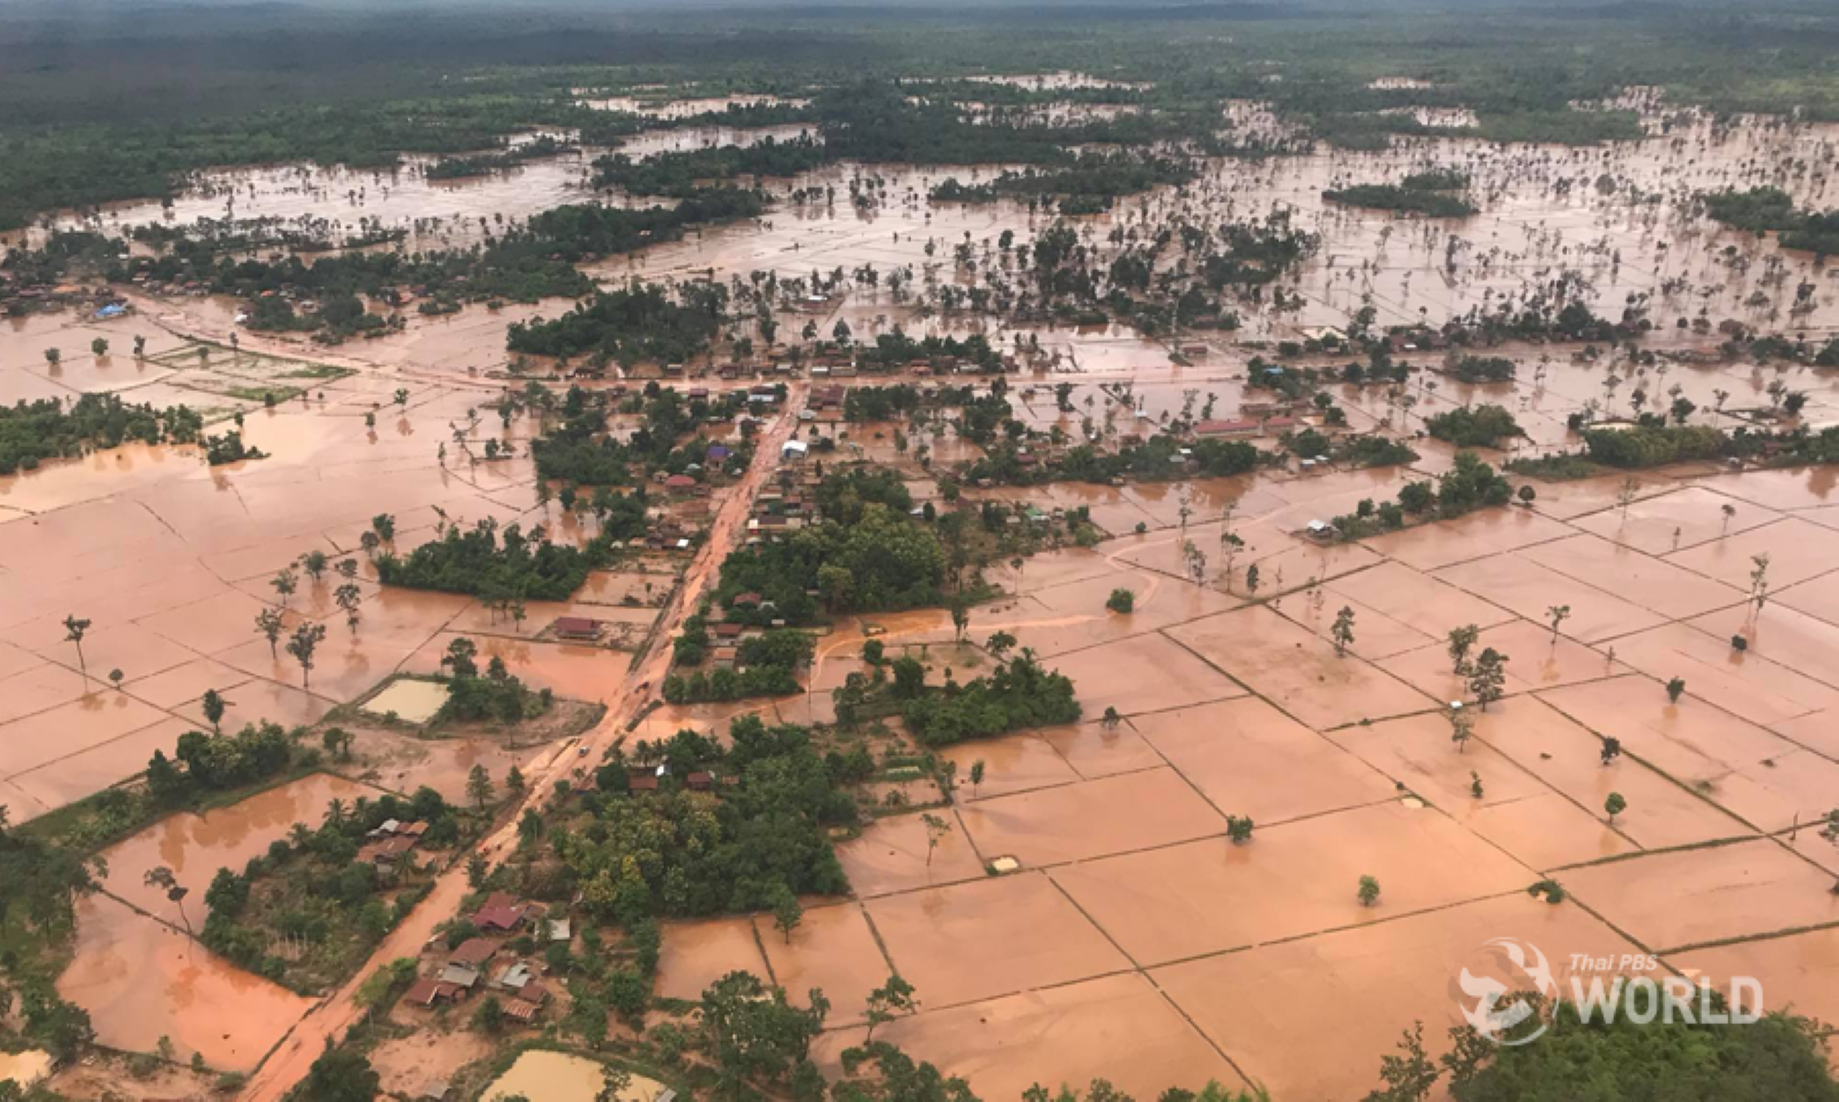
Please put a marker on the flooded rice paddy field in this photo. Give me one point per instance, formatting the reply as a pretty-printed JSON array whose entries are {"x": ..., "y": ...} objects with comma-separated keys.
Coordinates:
[
  {"x": 1125, "y": 944},
  {"x": 1134, "y": 925}
]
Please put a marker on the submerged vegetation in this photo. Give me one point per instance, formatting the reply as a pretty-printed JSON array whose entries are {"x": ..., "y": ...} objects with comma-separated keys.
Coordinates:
[{"x": 32, "y": 432}]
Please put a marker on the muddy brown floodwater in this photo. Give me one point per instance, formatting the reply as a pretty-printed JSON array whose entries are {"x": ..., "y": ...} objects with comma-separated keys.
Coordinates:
[{"x": 1125, "y": 926}]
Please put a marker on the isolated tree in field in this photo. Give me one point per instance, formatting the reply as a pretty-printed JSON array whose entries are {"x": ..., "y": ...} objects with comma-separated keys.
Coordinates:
[
  {"x": 1343, "y": 630},
  {"x": 976, "y": 775},
  {"x": 1615, "y": 805},
  {"x": 347, "y": 569},
  {"x": 1196, "y": 560},
  {"x": 1475, "y": 789},
  {"x": 1461, "y": 641},
  {"x": 115, "y": 677},
  {"x": 1369, "y": 891},
  {"x": 99, "y": 346},
  {"x": 1675, "y": 688},
  {"x": 305, "y": 641},
  {"x": 1122, "y": 601},
  {"x": 479, "y": 787},
  {"x": 384, "y": 525},
  {"x": 162, "y": 878},
  {"x": 884, "y": 1002},
  {"x": 315, "y": 563},
  {"x": 1627, "y": 492},
  {"x": 1488, "y": 681},
  {"x": 349, "y": 597},
  {"x": 54, "y": 356},
  {"x": 369, "y": 541},
  {"x": 1239, "y": 828},
  {"x": 1558, "y": 615},
  {"x": 1759, "y": 580},
  {"x": 1461, "y": 728},
  {"x": 285, "y": 583},
  {"x": 74, "y": 630},
  {"x": 787, "y": 914},
  {"x": 270, "y": 624},
  {"x": 936, "y": 830},
  {"x": 214, "y": 705},
  {"x": 1739, "y": 643},
  {"x": 1729, "y": 511},
  {"x": 1612, "y": 749},
  {"x": 960, "y": 616},
  {"x": 1111, "y": 718},
  {"x": 140, "y": 346},
  {"x": 335, "y": 740}
]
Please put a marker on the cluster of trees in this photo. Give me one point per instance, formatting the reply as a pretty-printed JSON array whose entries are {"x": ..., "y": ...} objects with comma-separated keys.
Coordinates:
[
  {"x": 1610, "y": 1054},
  {"x": 1018, "y": 693},
  {"x": 679, "y": 173},
  {"x": 229, "y": 448},
  {"x": 681, "y": 853},
  {"x": 207, "y": 761},
  {"x": 311, "y": 889},
  {"x": 895, "y": 349},
  {"x": 43, "y": 881},
  {"x": 868, "y": 554},
  {"x": 1653, "y": 445},
  {"x": 1092, "y": 182},
  {"x": 1468, "y": 485},
  {"x": 1473, "y": 426},
  {"x": 484, "y": 164},
  {"x": 1435, "y": 202},
  {"x": 1483, "y": 369},
  {"x": 581, "y": 452},
  {"x": 764, "y": 665},
  {"x": 629, "y": 325},
  {"x": 487, "y": 562},
  {"x": 496, "y": 695},
  {"x": 1156, "y": 459},
  {"x": 32, "y": 432},
  {"x": 1762, "y": 209}
]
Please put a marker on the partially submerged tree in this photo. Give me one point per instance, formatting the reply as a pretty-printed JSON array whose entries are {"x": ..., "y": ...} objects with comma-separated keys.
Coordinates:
[
  {"x": 305, "y": 641},
  {"x": 1343, "y": 630},
  {"x": 884, "y": 1002},
  {"x": 74, "y": 630},
  {"x": 1615, "y": 805},
  {"x": 936, "y": 830},
  {"x": 1488, "y": 679},
  {"x": 1461, "y": 641}
]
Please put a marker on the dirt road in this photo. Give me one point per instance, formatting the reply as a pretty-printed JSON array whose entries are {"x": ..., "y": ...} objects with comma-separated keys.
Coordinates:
[{"x": 328, "y": 1021}]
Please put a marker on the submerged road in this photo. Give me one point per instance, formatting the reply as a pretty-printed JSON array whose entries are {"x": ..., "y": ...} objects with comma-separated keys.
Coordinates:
[{"x": 330, "y": 1019}]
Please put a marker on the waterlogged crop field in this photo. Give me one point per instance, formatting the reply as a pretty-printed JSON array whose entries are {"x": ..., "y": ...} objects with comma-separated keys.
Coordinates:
[{"x": 1660, "y": 741}]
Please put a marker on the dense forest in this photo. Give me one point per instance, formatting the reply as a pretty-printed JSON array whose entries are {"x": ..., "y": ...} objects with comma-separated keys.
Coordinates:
[{"x": 98, "y": 117}]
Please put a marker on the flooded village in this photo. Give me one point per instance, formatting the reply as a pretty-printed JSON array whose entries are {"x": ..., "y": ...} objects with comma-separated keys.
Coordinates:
[{"x": 1025, "y": 579}]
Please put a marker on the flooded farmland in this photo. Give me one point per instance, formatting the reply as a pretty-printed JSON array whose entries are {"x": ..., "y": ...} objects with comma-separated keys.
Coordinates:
[{"x": 1272, "y": 781}]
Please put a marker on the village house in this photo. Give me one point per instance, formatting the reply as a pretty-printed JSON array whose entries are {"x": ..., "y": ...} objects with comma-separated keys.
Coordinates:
[{"x": 502, "y": 912}]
